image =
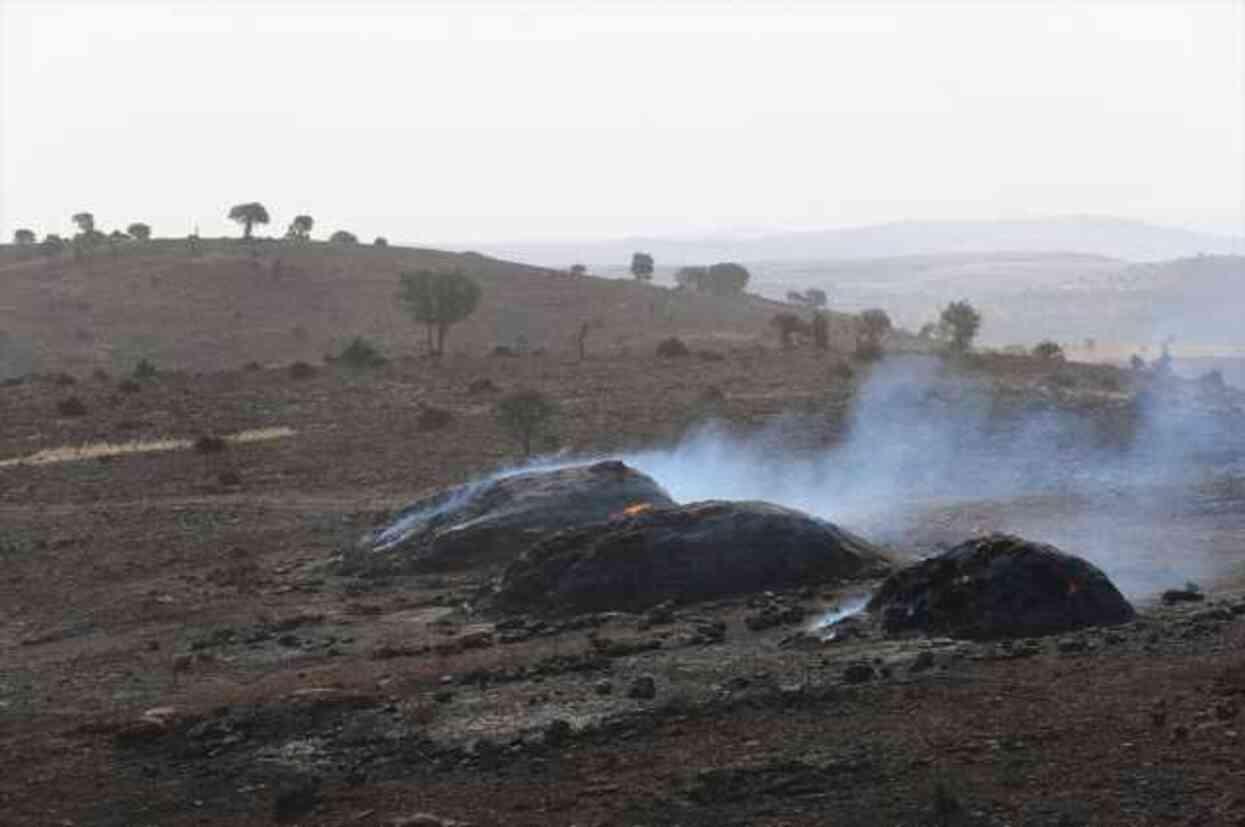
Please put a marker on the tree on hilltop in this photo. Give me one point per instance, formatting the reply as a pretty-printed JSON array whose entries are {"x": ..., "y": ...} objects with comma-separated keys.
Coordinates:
[
  {"x": 343, "y": 237},
  {"x": 248, "y": 215},
  {"x": 139, "y": 231},
  {"x": 52, "y": 245},
  {"x": 438, "y": 300},
  {"x": 300, "y": 228},
  {"x": 960, "y": 321},
  {"x": 722, "y": 279},
  {"x": 642, "y": 266},
  {"x": 85, "y": 222},
  {"x": 23, "y": 237}
]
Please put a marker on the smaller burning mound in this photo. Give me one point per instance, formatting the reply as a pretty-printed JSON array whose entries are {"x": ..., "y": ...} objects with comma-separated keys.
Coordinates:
[
  {"x": 694, "y": 552},
  {"x": 492, "y": 521},
  {"x": 996, "y": 587}
]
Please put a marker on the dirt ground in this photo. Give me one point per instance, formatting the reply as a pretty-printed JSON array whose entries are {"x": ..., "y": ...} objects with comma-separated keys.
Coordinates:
[{"x": 174, "y": 650}]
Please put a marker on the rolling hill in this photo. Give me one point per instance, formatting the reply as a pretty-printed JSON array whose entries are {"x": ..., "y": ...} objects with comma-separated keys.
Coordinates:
[{"x": 231, "y": 305}]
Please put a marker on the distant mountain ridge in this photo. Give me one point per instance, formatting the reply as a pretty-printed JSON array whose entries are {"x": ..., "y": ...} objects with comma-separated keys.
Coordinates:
[{"x": 1083, "y": 235}]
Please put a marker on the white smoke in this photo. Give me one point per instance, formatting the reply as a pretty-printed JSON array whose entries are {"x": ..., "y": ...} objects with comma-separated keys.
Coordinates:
[{"x": 921, "y": 441}]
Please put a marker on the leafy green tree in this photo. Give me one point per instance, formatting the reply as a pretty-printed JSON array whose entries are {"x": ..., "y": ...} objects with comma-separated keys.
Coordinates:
[
  {"x": 642, "y": 266},
  {"x": 524, "y": 414},
  {"x": 344, "y": 237},
  {"x": 380, "y": 241},
  {"x": 300, "y": 228},
  {"x": 960, "y": 321},
  {"x": 85, "y": 222},
  {"x": 816, "y": 297},
  {"x": 438, "y": 300},
  {"x": 579, "y": 270},
  {"x": 248, "y": 215},
  {"x": 139, "y": 231}
]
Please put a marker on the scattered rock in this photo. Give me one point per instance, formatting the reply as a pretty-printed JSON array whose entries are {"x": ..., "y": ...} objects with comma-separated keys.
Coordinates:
[
  {"x": 1185, "y": 595},
  {"x": 922, "y": 662},
  {"x": 643, "y": 688},
  {"x": 295, "y": 798},
  {"x": 999, "y": 586},
  {"x": 858, "y": 673},
  {"x": 603, "y": 688}
]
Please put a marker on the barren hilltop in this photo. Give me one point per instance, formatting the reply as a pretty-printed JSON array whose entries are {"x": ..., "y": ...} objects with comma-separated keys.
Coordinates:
[{"x": 227, "y": 304}]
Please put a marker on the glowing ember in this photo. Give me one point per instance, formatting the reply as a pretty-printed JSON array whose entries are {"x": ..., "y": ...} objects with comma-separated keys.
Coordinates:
[{"x": 632, "y": 510}]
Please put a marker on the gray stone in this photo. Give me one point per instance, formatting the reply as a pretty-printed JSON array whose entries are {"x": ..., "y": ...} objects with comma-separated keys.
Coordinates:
[{"x": 643, "y": 688}]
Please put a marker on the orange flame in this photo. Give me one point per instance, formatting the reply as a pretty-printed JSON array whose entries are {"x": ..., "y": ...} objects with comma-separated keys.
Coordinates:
[{"x": 632, "y": 510}]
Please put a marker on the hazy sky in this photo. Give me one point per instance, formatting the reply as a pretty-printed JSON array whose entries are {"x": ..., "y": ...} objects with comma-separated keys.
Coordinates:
[{"x": 430, "y": 122}]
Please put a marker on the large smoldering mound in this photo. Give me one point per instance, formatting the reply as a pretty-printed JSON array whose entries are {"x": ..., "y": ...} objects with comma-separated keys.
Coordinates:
[
  {"x": 999, "y": 586},
  {"x": 491, "y": 522},
  {"x": 695, "y": 552}
]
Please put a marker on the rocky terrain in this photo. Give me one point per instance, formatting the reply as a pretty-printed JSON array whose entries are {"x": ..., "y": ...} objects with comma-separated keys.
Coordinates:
[{"x": 181, "y": 643}]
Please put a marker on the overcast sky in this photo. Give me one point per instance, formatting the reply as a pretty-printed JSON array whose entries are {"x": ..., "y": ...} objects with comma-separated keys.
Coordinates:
[{"x": 430, "y": 122}]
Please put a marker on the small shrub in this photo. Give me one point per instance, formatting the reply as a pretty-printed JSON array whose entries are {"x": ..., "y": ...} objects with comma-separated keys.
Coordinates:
[
  {"x": 842, "y": 371},
  {"x": 64, "y": 380},
  {"x": 129, "y": 386},
  {"x": 71, "y": 406},
  {"x": 302, "y": 370},
  {"x": 251, "y": 367},
  {"x": 101, "y": 375},
  {"x": 479, "y": 386},
  {"x": 433, "y": 419},
  {"x": 145, "y": 370},
  {"x": 672, "y": 348},
  {"x": 710, "y": 356},
  {"x": 380, "y": 241},
  {"x": 229, "y": 478},
  {"x": 361, "y": 354},
  {"x": 210, "y": 444},
  {"x": 504, "y": 351},
  {"x": 713, "y": 395},
  {"x": 524, "y": 414},
  {"x": 1048, "y": 351}
]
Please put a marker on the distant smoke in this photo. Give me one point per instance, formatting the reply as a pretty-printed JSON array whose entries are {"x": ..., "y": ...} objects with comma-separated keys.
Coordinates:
[{"x": 925, "y": 448}]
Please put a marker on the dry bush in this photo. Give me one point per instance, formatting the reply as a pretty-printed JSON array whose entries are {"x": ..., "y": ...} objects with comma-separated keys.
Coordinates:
[
  {"x": 672, "y": 348},
  {"x": 71, "y": 406},
  {"x": 433, "y": 419}
]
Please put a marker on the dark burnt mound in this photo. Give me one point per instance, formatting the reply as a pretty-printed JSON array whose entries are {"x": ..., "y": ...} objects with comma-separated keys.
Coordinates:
[
  {"x": 696, "y": 552},
  {"x": 999, "y": 586},
  {"x": 491, "y": 522}
]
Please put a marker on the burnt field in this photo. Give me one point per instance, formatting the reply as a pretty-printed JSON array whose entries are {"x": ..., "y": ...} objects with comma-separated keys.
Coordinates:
[{"x": 182, "y": 643}]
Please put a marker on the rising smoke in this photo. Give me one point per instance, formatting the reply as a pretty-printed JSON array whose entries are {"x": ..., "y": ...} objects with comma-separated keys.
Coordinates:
[{"x": 929, "y": 458}]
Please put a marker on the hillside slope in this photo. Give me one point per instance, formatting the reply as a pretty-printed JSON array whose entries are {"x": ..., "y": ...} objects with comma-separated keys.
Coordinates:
[{"x": 282, "y": 302}]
